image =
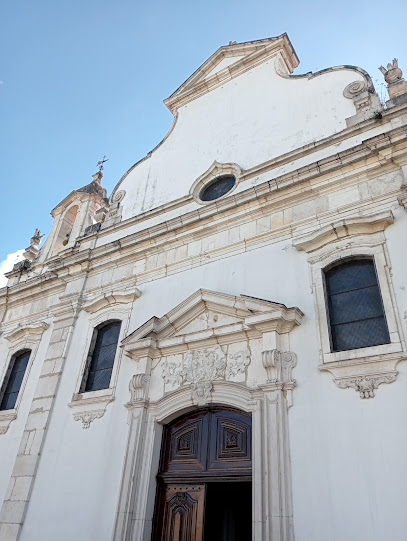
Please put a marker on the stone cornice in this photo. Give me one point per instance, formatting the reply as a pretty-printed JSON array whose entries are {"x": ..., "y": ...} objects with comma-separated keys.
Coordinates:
[
  {"x": 34, "y": 329},
  {"x": 289, "y": 157},
  {"x": 267, "y": 167},
  {"x": 360, "y": 225},
  {"x": 104, "y": 300},
  {"x": 272, "y": 195},
  {"x": 252, "y": 317},
  {"x": 254, "y": 53}
]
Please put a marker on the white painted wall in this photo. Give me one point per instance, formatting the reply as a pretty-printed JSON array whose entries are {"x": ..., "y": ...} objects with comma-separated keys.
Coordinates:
[
  {"x": 248, "y": 120},
  {"x": 347, "y": 453}
]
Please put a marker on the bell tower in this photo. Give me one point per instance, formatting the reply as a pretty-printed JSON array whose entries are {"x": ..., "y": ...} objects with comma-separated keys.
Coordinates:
[{"x": 81, "y": 209}]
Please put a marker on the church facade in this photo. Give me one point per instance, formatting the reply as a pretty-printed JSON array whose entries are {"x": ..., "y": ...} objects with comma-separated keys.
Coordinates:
[{"x": 216, "y": 351}]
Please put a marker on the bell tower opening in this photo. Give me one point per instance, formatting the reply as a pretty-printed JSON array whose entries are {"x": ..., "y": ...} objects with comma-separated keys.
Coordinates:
[
  {"x": 66, "y": 227},
  {"x": 204, "y": 481}
]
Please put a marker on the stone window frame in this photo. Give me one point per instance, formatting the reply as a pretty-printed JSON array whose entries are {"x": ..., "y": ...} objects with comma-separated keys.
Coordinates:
[
  {"x": 8, "y": 373},
  {"x": 215, "y": 171},
  {"x": 90, "y": 405},
  {"x": 362, "y": 369},
  {"x": 20, "y": 339},
  {"x": 91, "y": 352}
]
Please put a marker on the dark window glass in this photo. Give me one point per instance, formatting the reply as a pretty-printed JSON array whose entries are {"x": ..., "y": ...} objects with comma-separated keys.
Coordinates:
[
  {"x": 217, "y": 188},
  {"x": 102, "y": 354},
  {"x": 355, "y": 306},
  {"x": 13, "y": 380}
]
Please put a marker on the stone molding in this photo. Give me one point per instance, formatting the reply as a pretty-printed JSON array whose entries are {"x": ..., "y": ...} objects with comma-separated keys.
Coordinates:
[
  {"x": 87, "y": 409},
  {"x": 205, "y": 359},
  {"x": 106, "y": 299},
  {"x": 272, "y": 509},
  {"x": 346, "y": 228},
  {"x": 199, "y": 331},
  {"x": 90, "y": 405},
  {"x": 159, "y": 336},
  {"x": 144, "y": 243},
  {"x": 254, "y": 53},
  {"x": 308, "y": 172},
  {"x": 363, "y": 369},
  {"x": 215, "y": 170},
  {"x": 21, "y": 331},
  {"x": 20, "y": 338}
]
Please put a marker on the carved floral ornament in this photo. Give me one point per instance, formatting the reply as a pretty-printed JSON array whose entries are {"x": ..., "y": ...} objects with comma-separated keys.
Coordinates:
[{"x": 200, "y": 368}]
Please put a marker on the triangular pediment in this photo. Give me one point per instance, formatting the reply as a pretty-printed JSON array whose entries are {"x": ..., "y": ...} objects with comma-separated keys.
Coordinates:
[
  {"x": 209, "y": 315},
  {"x": 230, "y": 61}
]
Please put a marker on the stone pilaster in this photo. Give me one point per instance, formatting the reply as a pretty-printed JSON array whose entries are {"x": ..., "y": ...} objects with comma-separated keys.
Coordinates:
[
  {"x": 20, "y": 486},
  {"x": 130, "y": 517},
  {"x": 273, "y": 513}
]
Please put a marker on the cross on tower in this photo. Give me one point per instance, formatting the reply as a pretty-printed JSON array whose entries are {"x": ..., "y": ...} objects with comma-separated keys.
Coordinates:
[{"x": 100, "y": 164}]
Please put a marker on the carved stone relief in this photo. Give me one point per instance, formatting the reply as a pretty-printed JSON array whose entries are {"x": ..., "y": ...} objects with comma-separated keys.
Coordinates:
[
  {"x": 201, "y": 367},
  {"x": 88, "y": 416},
  {"x": 279, "y": 365},
  {"x": 137, "y": 387},
  {"x": 365, "y": 386}
]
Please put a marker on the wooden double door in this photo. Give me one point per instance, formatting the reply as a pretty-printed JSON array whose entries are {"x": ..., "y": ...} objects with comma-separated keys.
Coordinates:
[{"x": 204, "y": 482}]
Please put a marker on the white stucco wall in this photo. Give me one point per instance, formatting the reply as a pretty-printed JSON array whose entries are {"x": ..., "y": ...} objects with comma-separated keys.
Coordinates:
[
  {"x": 248, "y": 120},
  {"x": 347, "y": 453}
]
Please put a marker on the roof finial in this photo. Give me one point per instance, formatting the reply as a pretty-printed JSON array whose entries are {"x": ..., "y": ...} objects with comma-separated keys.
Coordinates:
[
  {"x": 396, "y": 85},
  {"x": 100, "y": 164}
]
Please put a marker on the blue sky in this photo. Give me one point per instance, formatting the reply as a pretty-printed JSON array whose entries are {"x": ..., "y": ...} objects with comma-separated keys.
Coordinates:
[{"x": 85, "y": 78}]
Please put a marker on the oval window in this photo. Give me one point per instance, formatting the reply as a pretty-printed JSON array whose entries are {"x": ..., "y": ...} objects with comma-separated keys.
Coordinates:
[{"x": 218, "y": 187}]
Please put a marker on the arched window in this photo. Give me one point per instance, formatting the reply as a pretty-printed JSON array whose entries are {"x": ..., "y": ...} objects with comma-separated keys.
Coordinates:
[
  {"x": 355, "y": 307},
  {"x": 101, "y": 357},
  {"x": 66, "y": 227},
  {"x": 14, "y": 379}
]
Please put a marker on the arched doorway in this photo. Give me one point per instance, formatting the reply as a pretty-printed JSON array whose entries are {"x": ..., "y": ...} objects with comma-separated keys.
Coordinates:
[{"x": 204, "y": 480}]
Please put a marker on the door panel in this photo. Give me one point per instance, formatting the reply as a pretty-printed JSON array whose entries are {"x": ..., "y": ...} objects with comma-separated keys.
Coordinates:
[
  {"x": 182, "y": 511},
  {"x": 208, "y": 448},
  {"x": 187, "y": 445},
  {"x": 230, "y": 442}
]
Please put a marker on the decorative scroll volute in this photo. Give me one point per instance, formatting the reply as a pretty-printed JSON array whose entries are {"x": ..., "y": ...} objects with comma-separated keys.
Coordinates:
[{"x": 279, "y": 366}]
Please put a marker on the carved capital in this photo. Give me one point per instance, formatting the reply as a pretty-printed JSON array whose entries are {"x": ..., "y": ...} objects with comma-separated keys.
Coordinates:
[{"x": 279, "y": 365}]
